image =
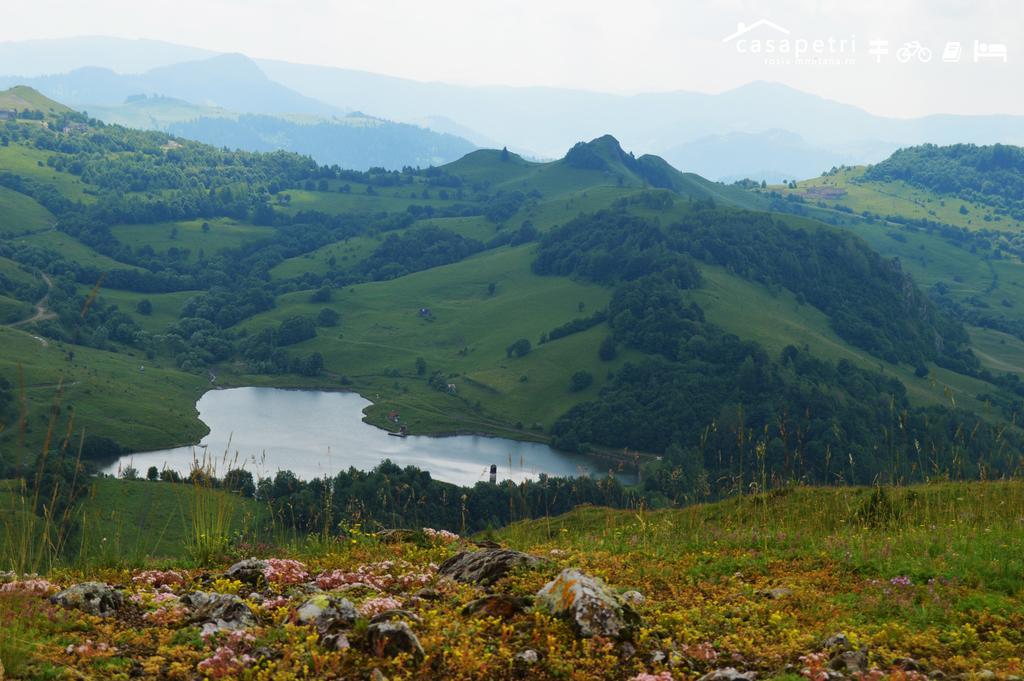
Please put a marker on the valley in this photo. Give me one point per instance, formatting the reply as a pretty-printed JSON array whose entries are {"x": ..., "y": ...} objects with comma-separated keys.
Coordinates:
[{"x": 488, "y": 341}]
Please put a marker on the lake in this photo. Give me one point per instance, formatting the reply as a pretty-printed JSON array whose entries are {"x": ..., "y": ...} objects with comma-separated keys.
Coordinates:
[{"x": 317, "y": 433}]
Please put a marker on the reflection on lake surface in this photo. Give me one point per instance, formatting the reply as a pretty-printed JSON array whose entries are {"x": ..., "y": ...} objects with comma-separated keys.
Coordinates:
[{"x": 315, "y": 433}]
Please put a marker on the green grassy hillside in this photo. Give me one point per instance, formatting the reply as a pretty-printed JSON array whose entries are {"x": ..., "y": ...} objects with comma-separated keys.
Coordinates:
[
  {"x": 848, "y": 187},
  {"x": 218, "y": 235},
  {"x": 291, "y": 235},
  {"x": 23, "y": 98},
  {"x": 19, "y": 214}
]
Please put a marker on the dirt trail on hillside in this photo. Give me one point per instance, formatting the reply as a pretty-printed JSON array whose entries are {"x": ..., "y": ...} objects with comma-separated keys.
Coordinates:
[{"x": 41, "y": 312}]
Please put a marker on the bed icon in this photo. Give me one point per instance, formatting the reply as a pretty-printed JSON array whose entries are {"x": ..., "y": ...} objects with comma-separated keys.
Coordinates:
[{"x": 990, "y": 51}]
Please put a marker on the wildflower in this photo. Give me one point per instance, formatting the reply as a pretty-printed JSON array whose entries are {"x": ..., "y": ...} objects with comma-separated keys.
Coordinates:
[
  {"x": 41, "y": 587},
  {"x": 159, "y": 578},
  {"x": 644, "y": 676},
  {"x": 283, "y": 571},
  {"x": 815, "y": 667},
  {"x": 440, "y": 535},
  {"x": 375, "y": 606},
  {"x": 89, "y": 649},
  {"x": 224, "y": 662},
  {"x": 901, "y": 580}
]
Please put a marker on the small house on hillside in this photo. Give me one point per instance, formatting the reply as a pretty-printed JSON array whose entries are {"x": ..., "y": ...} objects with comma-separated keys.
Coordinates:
[{"x": 8, "y": 114}]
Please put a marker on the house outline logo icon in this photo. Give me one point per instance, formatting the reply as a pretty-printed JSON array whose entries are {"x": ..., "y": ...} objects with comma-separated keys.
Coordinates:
[{"x": 742, "y": 29}]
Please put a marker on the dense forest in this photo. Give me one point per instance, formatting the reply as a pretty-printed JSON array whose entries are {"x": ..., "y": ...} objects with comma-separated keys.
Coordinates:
[{"x": 870, "y": 301}]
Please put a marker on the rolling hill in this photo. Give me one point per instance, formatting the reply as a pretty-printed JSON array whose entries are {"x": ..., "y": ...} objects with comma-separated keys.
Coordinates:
[{"x": 532, "y": 273}]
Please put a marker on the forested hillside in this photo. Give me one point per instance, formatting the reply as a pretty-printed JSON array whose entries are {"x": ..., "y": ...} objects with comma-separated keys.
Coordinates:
[{"x": 600, "y": 303}]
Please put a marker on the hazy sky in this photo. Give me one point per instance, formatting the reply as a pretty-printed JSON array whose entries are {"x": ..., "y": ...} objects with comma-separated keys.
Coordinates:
[{"x": 634, "y": 46}]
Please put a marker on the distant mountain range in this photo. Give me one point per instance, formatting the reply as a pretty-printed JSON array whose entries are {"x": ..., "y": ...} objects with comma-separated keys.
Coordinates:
[
  {"x": 761, "y": 130},
  {"x": 226, "y": 100}
]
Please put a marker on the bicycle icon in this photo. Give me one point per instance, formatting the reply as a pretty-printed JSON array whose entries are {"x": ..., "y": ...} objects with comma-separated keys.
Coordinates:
[{"x": 913, "y": 49}]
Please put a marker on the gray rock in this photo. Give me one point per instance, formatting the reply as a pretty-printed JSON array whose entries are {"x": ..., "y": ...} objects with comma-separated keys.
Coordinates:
[
  {"x": 356, "y": 586},
  {"x": 388, "y": 639},
  {"x": 728, "y": 674},
  {"x": 837, "y": 641},
  {"x": 377, "y": 675},
  {"x": 428, "y": 594},
  {"x": 93, "y": 598},
  {"x": 528, "y": 656},
  {"x": 486, "y": 566},
  {"x": 908, "y": 664},
  {"x": 329, "y": 615},
  {"x": 850, "y": 662},
  {"x": 633, "y": 598},
  {"x": 249, "y": 571},
  {"x": 777, "y": 593},
  {"x": 588, "y": 604},
  {"x": 338, "y": 641},
  {"x": 218, "y": 612},
  {"x": 395, "y": 536},
  {"x": 502, "y": 606}
]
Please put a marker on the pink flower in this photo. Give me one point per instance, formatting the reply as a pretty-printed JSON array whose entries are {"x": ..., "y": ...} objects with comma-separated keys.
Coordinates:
[
  {"x": 375, "y": 606},
  {"x": 41, "y": 587},
  {"x": 159, "y": 578},
  {"x": 275, "y": 603},
  {"x": 440, "y": 535},
  {"x": 376, "y": 576},
  {"x": 225, "y": 662},
  {"x": 90, "y": 649},
  {"x": 282, "y": 571}
]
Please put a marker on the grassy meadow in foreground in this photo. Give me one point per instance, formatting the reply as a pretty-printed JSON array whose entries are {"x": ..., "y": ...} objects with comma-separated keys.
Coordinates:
[{"x": 933, "y": 573}]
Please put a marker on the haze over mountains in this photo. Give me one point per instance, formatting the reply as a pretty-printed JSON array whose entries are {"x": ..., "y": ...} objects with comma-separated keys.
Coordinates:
[{"x": 761, "y": 130}]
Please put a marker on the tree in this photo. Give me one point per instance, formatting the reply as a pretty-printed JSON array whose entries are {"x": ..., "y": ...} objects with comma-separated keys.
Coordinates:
[
  {"x": 240, "y": 480},
  {"x": 321, "y": 295},
  {"x": 295, "y": 330},
  {"x": 153, "y": 474},
  {"x": 607, "y": 351},
  {"x": 144, "y": 307},
  {"x": 327, "y": 317},
  {"x": 504, "y": 154},
  {"x": 421, "y": 366},
  {"x": 581, "y": 380},
  {"x": 491, "y": 288},
  {"x": 520, "y": 348},
  {"x": 206, "y": 228}
]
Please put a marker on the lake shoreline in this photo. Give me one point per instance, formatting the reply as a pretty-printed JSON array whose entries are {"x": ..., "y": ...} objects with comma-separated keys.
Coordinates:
[{"x": 288, "y": 428}]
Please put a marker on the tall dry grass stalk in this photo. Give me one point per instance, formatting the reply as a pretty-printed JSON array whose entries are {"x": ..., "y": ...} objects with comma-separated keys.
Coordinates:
[{"x": 39, "y": 511}]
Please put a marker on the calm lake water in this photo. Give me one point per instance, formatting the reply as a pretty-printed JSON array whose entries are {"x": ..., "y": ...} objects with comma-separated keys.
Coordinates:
[{"x": 314, "y": 433}]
